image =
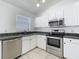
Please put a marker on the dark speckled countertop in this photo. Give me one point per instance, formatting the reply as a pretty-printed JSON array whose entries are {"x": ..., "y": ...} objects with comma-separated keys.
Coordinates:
[{"x": 10, "y": 36}]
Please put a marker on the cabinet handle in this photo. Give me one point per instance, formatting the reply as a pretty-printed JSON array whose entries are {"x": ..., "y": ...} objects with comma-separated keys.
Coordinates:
[
  {"x": 70, "y": 40},
  {"x": 64, "y": 43}
]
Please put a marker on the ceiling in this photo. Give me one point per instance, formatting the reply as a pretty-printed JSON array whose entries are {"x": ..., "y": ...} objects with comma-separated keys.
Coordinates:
[{"x": 30, "y": 5}]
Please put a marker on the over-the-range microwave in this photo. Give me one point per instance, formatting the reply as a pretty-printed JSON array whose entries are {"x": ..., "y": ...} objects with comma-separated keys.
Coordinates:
[{"x": 56, "y": 23}]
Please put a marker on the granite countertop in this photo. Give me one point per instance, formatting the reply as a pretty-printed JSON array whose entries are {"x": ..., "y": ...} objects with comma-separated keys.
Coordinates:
[
  {"x": 71, "y": 35},
  {"x": 9, "y": 36}
]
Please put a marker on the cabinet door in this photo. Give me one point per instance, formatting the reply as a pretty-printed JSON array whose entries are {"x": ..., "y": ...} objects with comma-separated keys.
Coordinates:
[
  {"x": 41, "y": 21},
  {"x": 52, "y": 15},
  {"x": 25, "y": 45},
  {"x": 32, "y": 42},
  {"x": 59, "y": 13},
  {"x": 78, "y": 11},
  {"x": 70, "y": 15},
  {"x": 0, "y": 50},
  {"x": 71, "y": 48},
  {"x": 67, "y": 48},
  {"x": 41, "y": 43},
  {"x": 75, "y": 49}
]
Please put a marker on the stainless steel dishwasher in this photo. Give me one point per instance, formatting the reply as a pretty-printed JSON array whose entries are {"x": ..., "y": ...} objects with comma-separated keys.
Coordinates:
[{"x": 11, "y": 48}]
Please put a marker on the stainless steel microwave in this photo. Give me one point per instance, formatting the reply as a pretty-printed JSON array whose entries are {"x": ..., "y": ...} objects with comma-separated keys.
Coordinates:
[{"x": 56, "y": 23}]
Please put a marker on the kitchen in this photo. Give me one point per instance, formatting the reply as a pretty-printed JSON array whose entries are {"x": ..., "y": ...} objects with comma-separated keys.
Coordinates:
[{"x": 39, "y": 30}]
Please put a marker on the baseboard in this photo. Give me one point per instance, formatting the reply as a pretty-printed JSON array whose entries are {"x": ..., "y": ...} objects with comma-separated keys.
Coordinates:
[
  {"x": 17, "y": 57},
  {"x": 42, "y": 49},
  {"x": 64, "y": 58}
]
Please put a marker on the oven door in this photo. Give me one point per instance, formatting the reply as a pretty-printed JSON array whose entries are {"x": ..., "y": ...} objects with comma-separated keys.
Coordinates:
[
  {"x": 54, "y": 41},
  {"x": 54, "y": 46}
]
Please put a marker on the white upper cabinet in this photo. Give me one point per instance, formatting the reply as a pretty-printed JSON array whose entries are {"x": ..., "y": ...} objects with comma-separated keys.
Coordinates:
[
  {"x": 41, "y": 21},
  {"x": 71, "y": 14},
  {"x": 59, "y": 13},
  {"x": 69, "y": 11},
  {"x": 78, "y": 11},
  {"x": 52, "y": 15}
]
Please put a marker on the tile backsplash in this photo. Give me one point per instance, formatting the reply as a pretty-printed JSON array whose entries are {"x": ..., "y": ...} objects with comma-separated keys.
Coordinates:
[
  {"x": 68, "y": 29},
  {"x": 72, "y": 29}
]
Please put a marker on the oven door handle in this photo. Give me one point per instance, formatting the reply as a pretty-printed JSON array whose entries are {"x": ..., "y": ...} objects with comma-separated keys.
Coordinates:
[{"x": 54, "y": 37}]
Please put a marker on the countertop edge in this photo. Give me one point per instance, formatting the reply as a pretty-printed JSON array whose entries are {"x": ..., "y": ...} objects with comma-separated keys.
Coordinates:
[{"x": 9, "y": 36}]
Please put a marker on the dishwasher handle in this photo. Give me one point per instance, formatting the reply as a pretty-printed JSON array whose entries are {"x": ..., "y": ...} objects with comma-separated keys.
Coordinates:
[{"x": 10, "y": 40}]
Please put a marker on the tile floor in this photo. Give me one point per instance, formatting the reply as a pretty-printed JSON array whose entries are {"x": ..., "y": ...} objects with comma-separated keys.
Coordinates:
[{"x": 38, "y": 54}]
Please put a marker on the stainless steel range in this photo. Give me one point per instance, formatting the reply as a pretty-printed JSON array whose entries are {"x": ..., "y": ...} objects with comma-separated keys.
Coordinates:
[{"x": 55, "y": 42}]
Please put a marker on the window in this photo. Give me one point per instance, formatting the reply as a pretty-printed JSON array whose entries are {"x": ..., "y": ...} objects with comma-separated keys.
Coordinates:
[{"x": 23, "y": 23}]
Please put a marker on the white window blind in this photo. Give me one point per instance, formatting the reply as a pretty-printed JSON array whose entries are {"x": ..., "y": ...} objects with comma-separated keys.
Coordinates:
[{"x": 23, "y": 23}]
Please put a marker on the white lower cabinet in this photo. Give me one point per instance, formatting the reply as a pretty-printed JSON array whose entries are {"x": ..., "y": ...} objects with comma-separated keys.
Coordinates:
[
  {"x": 32, "y": 42},
  {"x": 74, "y": 49},
  {"x": 0, "y": 50},
  {"x": 28, "y": 43},
  {"x": 71, "y": 48},
  {"x": 41, "y": 41},
  {"x": 67, "y": 48},
  {"x": 25, "y": 45}
]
